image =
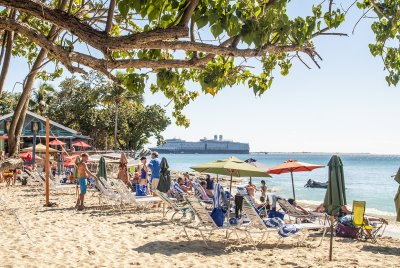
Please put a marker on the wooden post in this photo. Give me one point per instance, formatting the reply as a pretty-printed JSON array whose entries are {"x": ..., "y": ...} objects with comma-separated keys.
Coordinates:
[
  {"x": 47, "y": 160},
  {"x": 330, "y": 248}
]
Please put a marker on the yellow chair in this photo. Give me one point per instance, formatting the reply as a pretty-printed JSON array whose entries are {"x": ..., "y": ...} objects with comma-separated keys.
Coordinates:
[{"x": 366, "y": 231}]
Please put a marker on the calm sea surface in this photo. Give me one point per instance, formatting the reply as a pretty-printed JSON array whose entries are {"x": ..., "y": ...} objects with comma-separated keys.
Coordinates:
[{"x": 367, "y": 177}]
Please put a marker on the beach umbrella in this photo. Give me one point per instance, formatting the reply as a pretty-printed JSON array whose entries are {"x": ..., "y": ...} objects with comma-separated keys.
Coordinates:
[
  {"x": 292, "y": 166},
  {"x": 81, "y": 144},
  {"x": 40, "y": 148},
  {"x": 165, "y": 179},
  {"x": 123, "y": 169},
  {"x": 102, "y": 168},
  {"x": 397, "y": 197},
  {"x": 257, "y": 164},
  {"x": 335, "y": 196},
  {"x": 232, "y": 167},
  {"x": 56, "y": 142},
  {"x": 69, "y": 163},
  {"x": 29, "y": 155}
]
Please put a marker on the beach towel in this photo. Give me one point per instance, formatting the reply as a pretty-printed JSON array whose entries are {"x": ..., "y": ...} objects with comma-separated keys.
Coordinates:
[
  {"x": 178, "y": 189},
  {"x": 275, "y": 214},
  {"x": 200, "y": 192},
  {"x": 141, "y": 190},
  {"x": 274, "y": 222},
  {"x": 289, "y": 229},
  {"x": 217, "y": 214}
]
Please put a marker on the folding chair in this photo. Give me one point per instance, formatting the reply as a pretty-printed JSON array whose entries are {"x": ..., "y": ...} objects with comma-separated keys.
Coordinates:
[{"x": 366, "y": 231}]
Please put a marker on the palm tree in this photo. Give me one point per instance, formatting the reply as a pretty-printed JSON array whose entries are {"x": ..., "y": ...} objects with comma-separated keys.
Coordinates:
[
  {"x": 41, "y": 98},
  {"x": 115, "y": 95}
]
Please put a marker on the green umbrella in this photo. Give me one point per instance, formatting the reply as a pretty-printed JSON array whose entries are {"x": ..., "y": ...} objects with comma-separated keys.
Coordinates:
[
  {"x": 335, "y": 196},
  {"x": 165, "y": 179},
  {"x": 102, "y": 168},
  {"x": 397, "y": 197},
  {"x": 233, "y": 167}
]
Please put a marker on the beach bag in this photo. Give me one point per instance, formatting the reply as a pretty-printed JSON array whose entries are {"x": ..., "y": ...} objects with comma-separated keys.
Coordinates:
[
  {"x": 218, "y": 216},
  {"x": 275, "y": 214},
  {"x": 141, "y": 190},
  {"x": 346, "y": 231}
]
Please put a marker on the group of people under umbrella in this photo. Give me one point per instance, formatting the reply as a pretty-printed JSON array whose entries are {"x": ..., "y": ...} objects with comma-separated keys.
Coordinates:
[{"x": 335, "y": 196}]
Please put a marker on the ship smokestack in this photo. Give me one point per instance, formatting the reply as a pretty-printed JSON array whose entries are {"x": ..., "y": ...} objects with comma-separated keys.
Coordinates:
[
  {"x": 220, "y": 137},
  {"x": 215, "y": 137}
]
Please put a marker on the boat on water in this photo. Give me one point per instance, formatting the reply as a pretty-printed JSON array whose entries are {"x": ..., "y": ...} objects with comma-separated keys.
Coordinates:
[
  {"x": 316, "y": 184},
  {"x": 204, "y": 146}
]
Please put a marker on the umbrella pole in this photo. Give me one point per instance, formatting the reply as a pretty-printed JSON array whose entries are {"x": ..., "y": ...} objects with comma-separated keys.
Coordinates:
[
  {"x": 217, "y": 178},
  {"x": 331, "y": 245},
  {"x": 294, "y": 196},
  {"x": 229, "y": 199}
]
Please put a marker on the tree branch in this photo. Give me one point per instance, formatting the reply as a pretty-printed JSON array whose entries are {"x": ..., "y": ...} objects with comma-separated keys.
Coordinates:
[
  {"x": 110, "y": 16},
  {"x": 7, "y": 56},
  {"x": 95, "y": 38}
]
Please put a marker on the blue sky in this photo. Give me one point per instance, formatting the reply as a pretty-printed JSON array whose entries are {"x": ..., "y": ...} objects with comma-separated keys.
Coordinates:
[{"x": 346, "y": 106}]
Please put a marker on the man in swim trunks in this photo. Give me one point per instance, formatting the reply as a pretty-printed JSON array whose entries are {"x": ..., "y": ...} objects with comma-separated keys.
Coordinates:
[{"x": 84, "y": 175}]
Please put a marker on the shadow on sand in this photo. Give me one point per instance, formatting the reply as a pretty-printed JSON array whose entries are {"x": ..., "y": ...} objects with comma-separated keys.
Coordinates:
[{"x": 382, "y": 250}]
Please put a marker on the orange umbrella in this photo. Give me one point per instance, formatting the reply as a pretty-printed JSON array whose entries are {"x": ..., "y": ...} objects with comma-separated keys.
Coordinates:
[
  {"x": 71, "y": 157},
  {"x": 25, "y": 155},
  {"x": 123, "y": 169},
  {"x": 292, "y": 166},
  {"x": 56, "y": 142},
  {"x": 80, "y": 144},
  {"x": 69, "y": 163}
]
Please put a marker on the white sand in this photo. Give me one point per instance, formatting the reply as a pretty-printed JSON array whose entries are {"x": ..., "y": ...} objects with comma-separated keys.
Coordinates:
[{"x": 65, "y": 237}]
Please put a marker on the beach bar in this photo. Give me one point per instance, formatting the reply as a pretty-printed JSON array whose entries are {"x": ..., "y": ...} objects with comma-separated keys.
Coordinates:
[{"x": 35, "y": 127}]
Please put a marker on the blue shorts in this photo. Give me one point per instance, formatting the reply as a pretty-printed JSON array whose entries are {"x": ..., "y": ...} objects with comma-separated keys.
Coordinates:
[{"x": 83, "y": 184}]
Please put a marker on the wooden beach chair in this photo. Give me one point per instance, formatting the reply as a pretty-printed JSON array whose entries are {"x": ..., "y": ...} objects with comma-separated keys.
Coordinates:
[
  {"x": 366, "y": 231},
  {"x": 170, "y": 204},
  {"x": 205, "y": 224}
]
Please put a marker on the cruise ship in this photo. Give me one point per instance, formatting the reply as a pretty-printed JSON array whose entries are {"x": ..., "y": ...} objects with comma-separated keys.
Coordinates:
[{"x": 204, "y": 146}]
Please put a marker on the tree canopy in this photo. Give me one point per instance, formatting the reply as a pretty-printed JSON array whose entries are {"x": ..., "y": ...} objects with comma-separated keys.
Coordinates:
[
  {"x": 179, "y": 42},
  {"x": 169, "y": 39}
]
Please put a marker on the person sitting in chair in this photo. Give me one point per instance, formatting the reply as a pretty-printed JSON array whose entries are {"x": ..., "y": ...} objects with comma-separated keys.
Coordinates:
[{"x": 187, "y": 188}]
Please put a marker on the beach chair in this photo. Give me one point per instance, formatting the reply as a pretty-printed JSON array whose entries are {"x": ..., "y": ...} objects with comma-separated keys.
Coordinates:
[
  {"x": 293, "y": 212},
  {"x": 173, "y": 205},
  {"x": 256, "y": 225},
  {"x": 108, "y": 193},
  {"x": 366, "y": 231},
  {"x": 205, "y": 223}
]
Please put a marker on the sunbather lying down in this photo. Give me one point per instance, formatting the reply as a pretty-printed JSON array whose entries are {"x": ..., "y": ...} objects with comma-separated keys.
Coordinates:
[{"x": 345, "y": 215}]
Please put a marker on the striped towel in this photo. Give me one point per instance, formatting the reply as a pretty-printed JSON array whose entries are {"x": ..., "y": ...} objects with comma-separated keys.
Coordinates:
[
  {"x": 176, "y": 188},
  {"x": 274, "y": 222},
  {"x": 218, "y": 191},
  {"x": 289, "y": 229},
  {"x": 200, "y": 192}
]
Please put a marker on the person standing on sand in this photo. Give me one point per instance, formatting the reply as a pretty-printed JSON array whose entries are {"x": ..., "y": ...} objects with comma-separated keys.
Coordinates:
[
  {"x": 263, "y": 188},
  {"x": 83, "y": 174},
  {"x": 154, "y": 165}
]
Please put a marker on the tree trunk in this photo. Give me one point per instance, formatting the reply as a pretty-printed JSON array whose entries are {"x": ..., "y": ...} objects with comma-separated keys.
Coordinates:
[
  {"x": 7, "y": 57},
  {"x": 116, "y": 125},
  {"x": 18, "y": 119}
]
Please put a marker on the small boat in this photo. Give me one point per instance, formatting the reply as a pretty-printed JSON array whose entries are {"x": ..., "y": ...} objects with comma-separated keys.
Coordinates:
[{"x": 316, "y": 184}]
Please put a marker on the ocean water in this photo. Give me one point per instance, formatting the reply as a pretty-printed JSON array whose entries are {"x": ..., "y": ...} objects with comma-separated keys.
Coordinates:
[{"x": 367, "y": 177}]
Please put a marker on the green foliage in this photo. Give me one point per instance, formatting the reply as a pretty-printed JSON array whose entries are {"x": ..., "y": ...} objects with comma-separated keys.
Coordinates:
[
  {"x": 76, "y": 105},
  {"x": 387, "y": 35},
  {"x": 255, "y": 24},
  {"x": 8, "y": 102}
]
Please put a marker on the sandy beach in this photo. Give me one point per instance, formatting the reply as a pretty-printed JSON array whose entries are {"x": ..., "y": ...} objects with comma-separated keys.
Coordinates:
[{"x": 64, "y": 237}]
